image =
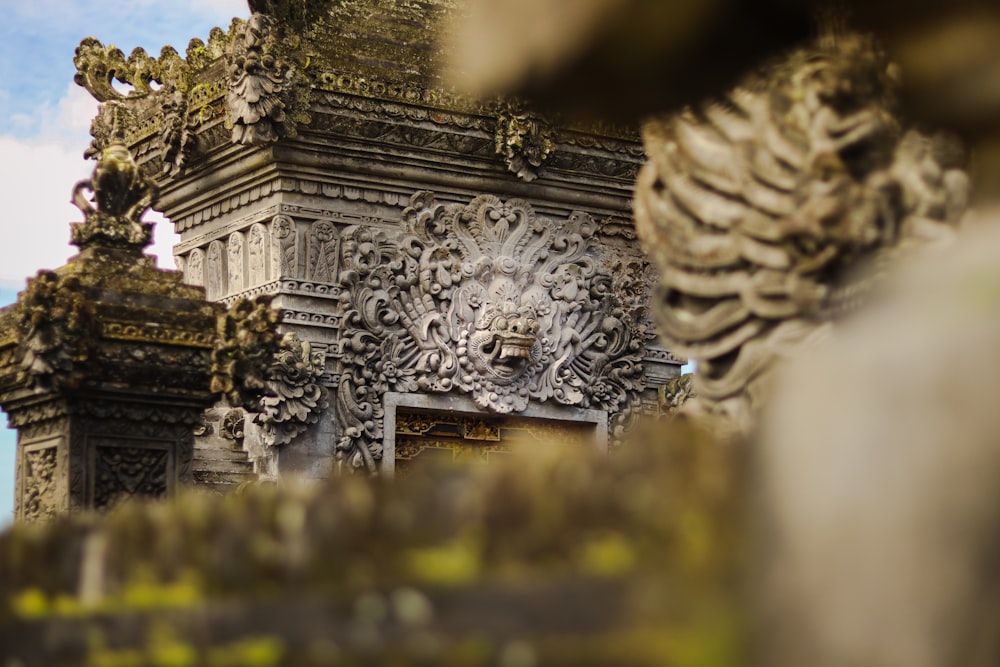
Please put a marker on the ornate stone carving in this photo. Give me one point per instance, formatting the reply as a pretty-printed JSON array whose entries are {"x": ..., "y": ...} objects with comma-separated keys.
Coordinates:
[
  {"x": 122, "y": 195},
  {"x": 177, "y": 139},
  {"x": 247, "y": 342},
  {"x": 675, "y": 393},
  {"x": 97, "y": 66},
  {"x": 261, "y": 83},
  {"x": 284, "y": 247},
  {"x": 294, "y": 398},
  {"x": 762, "y": 211},
  {"x": 57, "y": 327},
  {"x": 487, "y": 299},
  {"x": 203, "y": 427},
  {"x": 524, "y": 139},
  {"x": 232, "y": 424},
  {"x": 257, "y": 255},
  {"x": 234, "y": 250},
  {"x": 127, "y": 471},
  {"x": 38, "y": 476},
  {"x": 324, "y": 251}
]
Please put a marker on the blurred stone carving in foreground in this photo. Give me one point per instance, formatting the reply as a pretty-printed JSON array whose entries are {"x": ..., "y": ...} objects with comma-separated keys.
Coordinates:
[
  {"x": 768, "y": 212},
  {"x": 882, "y": 489}
]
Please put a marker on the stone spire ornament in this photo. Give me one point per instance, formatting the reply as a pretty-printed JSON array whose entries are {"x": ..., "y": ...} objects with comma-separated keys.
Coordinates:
[{"x": 123, "y": 195}]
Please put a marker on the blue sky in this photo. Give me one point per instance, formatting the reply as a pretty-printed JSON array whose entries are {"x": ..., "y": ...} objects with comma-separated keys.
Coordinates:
[{"x": 44, "y": 128}]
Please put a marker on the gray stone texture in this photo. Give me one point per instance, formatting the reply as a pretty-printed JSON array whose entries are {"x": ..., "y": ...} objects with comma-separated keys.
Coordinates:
[{"x": 349, "y": 189}]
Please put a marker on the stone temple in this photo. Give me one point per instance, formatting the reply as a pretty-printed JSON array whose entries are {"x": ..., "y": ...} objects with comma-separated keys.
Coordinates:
[{"x": 455, "y": 277}]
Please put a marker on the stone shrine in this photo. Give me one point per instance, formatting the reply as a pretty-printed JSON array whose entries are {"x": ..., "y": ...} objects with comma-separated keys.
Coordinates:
[
  {"x": 105, "y": 363},
  {"x": 432, "y": 255}
]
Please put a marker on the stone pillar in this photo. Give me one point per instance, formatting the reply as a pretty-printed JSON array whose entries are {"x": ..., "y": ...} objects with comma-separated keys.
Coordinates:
[{"x": 105, "y": 363}]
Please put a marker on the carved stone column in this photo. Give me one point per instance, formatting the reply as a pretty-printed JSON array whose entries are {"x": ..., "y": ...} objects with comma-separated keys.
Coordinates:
[{"x": 105, "y": 363}]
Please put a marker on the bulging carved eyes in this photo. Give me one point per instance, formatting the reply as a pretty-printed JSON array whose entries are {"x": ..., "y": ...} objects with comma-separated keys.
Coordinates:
[{"x": 500, "y": 323}]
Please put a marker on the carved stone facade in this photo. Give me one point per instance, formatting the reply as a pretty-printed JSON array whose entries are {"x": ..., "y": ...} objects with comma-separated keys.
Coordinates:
[{"x": 416, "y": 241}]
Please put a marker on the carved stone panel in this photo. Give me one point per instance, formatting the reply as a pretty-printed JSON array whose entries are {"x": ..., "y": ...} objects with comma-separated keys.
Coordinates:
[
  {"x": 324, "y": 251},
  {"x": 38, "y": 482},
  {"x": 257, "y": 255},
  {"x": 122, "y": 471},
  {"x": 284, "y": 247},
  {"x": 215, "y": 271},
  {"x": 194, "y": 268},
  {"x": 447, "y": 438},
  {"x": 485, "y": 299},
  {"x": 235, "y": 249}
]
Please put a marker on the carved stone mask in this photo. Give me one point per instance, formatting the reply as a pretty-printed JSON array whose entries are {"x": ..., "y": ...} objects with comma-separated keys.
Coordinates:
[{"x": 504, "y": 342}]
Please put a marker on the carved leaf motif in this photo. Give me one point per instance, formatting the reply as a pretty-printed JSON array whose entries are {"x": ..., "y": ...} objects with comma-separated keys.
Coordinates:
[
  {"x": 215, "y": 270},
  {"x": 235, "y": 250},
  {"x": 294, "y": 398},
  {"x": 257, "y": 255},
  {"x": 284, "y": 259},
  {"x": 324, "y": 252}
]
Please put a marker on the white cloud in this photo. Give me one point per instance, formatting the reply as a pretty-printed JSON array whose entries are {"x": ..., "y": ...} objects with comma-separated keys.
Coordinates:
[
  {"x": 221, "y": 10},
  {"x": 36, "y": 178}
]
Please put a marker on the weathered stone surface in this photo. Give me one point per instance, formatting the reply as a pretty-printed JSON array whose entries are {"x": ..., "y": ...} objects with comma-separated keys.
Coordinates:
[
  {"x": 588, "y": 560},
  {"x": 769, "y": 213},
  {"x": 303, "y": 145},
  {"x": 105, "y": 363}
]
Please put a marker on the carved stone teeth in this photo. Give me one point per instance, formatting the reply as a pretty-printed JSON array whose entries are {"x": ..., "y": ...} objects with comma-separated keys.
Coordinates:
[{"x": 514, "y": 351}]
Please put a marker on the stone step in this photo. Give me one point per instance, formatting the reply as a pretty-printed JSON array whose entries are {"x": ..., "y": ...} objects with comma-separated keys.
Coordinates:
[
  {"x": 212, "y": 480},
  {"x": 214, "y": 465},
  {"x": 218, "y": 454}
]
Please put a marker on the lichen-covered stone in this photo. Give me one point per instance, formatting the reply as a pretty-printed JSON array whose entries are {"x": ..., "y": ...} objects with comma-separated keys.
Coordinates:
[{"x": 631, "y": 558}]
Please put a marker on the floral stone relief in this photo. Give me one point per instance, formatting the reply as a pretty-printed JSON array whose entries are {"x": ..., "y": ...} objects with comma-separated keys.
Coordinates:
[
  {"x": 294, "y": 398},
  {"x": 486, "y": 299}
]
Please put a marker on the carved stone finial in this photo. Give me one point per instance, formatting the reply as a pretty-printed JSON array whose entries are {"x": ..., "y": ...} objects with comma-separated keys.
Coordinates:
[
  {"x": 762, "y": 211},
  {"x": 122, "y": 195},
  {"x": 524, "y": 138}
]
